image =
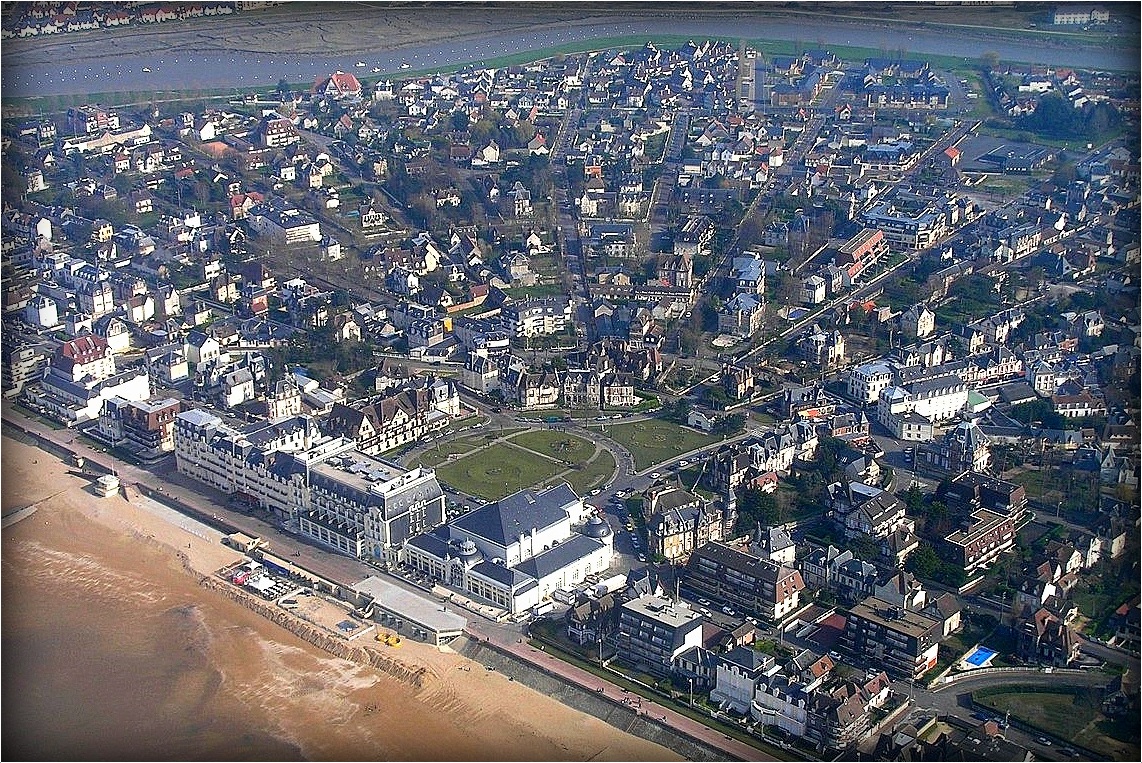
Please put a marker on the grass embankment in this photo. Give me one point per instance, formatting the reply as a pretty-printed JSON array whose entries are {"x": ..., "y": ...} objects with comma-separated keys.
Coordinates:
[{"x": 1067, "y": 713}]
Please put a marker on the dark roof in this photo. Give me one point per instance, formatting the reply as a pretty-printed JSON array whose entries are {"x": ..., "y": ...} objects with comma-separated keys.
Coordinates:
[
  {"x": 432, "y": 543},
  {"x": 518, "y": 514},
  {"x": 558, "y": 557},
  {"x": 751, "y": 660},
  {"x": 761, "y": 569},
  {"x": 502, "y": 575}
]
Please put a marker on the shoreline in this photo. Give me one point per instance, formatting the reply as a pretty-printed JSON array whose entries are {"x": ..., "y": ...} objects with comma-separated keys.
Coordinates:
[
  {"x": 121, "y": 542},
  {"x": 300, "y": 42}
]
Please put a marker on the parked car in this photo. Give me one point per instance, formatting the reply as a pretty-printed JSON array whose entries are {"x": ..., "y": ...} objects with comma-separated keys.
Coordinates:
[{"x": 728, "y": 610}]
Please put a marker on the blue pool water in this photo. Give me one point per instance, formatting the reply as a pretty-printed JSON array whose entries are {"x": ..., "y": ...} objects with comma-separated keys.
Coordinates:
[{"x": 980, "y": 655}]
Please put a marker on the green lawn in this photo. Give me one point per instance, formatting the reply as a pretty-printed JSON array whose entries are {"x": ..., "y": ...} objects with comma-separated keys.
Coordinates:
[
  {"x": 559, "y": 445},
  {"x": 1068, "y": 714},
  {"x": 653, "y": 441},
  {"x": 592, "y": 474},
  {"x": 497, "y": 471},
  {"x": 439, "y": 454}
]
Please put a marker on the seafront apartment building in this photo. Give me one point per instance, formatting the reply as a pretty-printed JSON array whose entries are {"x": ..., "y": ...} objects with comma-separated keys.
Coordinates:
[{"x": 323, "y": 486}]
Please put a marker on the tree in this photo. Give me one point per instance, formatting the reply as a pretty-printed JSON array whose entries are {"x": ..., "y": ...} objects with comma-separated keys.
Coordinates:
[
  {"x": 1065, "y": 174},
  {"x": 460, "y": 121},
  {"x": 12, "y": 181},
  {"x": 923, "y": 562},
  {"x": 756, "y": 507},
  {"x": 914, "y": 500},
  {"x": 731, "y": 425},
  {"x": 989, "y": 60},
  {"x": 717, "y": 398}
]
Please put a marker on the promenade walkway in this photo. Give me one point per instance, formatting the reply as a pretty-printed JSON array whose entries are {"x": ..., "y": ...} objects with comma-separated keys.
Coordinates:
[{"x": 648, "y": 708}]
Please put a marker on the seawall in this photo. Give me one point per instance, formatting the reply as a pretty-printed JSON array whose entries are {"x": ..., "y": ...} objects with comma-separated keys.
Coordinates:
[
  {"x": 416, "y": 677},
  {"x": 616, "y": 714}
]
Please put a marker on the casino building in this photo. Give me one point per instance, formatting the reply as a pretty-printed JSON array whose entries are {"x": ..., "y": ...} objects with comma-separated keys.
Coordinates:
[{"x": 516, "y": 551}]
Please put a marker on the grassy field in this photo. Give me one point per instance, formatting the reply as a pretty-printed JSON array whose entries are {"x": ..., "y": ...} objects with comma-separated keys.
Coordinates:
[
  {"x": 497, "y": 471},
  {"x": 527, "y": 459},
  {"x": 440, "y": 453},
  {"x": 586, "y": 477},
  {"x": 653, "y": 441},
  {"x": 565, "y": 447},
  {"x": 1069, "y": 714}
]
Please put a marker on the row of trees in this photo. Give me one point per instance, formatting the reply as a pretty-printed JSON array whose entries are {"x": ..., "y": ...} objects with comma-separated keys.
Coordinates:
[{"x": 1055, "y": 117}]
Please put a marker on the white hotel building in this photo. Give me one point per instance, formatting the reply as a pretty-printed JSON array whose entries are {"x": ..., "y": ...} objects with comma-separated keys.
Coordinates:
[
  {"x": 868, "y": 379},
  {"x": 322, "y": 487},
  {"x": 909, "y": 411}
]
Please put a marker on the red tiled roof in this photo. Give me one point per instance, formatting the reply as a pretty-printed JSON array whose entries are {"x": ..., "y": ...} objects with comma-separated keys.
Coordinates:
[{"x": 345, "y": 82}]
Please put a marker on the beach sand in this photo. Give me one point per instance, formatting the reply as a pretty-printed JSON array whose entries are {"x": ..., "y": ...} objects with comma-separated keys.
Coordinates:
[{"x": 111, "y": 649}]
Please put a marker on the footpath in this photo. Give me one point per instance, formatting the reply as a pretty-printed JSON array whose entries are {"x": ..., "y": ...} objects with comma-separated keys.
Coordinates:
[{"x": 645, "y": 708}]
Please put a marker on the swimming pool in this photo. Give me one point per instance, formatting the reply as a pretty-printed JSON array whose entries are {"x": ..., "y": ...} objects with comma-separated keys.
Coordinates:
[{"x": 980, "y": 656}]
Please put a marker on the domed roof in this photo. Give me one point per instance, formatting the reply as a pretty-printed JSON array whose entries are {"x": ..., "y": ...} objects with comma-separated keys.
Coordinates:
[
  {"x": 597, "y": 528},
  {"x": 469, "y": 554}
]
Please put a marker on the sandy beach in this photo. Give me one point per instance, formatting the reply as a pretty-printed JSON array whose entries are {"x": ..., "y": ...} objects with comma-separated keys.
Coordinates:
[{"x": 111, "y": 649}]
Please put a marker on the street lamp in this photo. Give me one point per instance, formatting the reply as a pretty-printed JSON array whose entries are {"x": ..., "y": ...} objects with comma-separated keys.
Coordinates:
[{"x": 691, "y": 680}]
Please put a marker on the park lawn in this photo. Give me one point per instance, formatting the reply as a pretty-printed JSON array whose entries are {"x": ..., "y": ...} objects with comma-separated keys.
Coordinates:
[
  {"x": 440, "y": 452},
  {"x": 584, "y": 478},
  {"x": 1037, "y": 482},
  {"x": 497, "y": 471},
  {"x": 653, "y": 441},
  {"x": 559, "y": 445}
]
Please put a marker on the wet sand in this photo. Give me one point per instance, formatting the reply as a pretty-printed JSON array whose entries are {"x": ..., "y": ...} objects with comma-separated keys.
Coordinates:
[{"x": 111, "y": 650}]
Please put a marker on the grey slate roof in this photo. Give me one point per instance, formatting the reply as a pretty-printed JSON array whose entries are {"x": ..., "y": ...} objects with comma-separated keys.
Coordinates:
[
  {"x": 518, "y": 514},
  {"x": 558, "y": 557},
  {"x": 502, "y": 575}
]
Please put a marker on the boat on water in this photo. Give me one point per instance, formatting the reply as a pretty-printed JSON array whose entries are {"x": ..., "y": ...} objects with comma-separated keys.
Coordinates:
[
  {"x": 406, "y": 65},
  {"x": 146, "y": 70},
  {"x": 376, "y": 69},
  {"x": 361, "y": 64}
]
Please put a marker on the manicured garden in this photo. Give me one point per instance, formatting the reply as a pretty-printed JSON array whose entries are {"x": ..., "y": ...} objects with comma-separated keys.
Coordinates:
[
  {"x": 527, "y": 459},
  {"x": 592, "y": 474},
  {"x": 496, "y": 471},
  {"x": 560, "y": 445},
  {"x": 653, "y": 441}
]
